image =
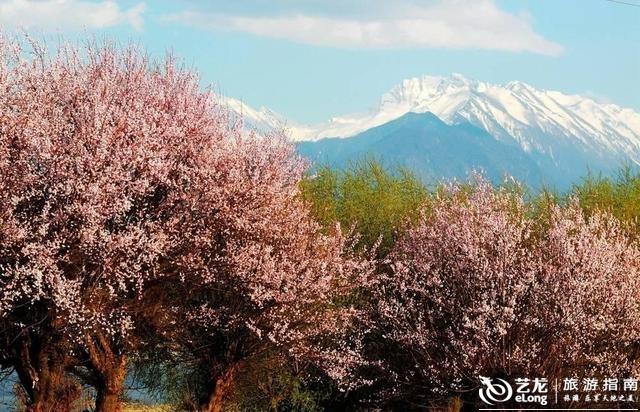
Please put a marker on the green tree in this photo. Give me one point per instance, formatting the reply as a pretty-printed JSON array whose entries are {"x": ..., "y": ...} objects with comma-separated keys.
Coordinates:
[
  {"x": 375, "y": 200},
  {"x": 618, "y": 195}
]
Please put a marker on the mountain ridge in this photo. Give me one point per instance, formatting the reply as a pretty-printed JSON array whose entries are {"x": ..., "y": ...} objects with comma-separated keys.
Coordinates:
[
  {"x": 502, "y": 110},
  {"x": 430, "y": 148},
  {"x": 564, "y": 135}
]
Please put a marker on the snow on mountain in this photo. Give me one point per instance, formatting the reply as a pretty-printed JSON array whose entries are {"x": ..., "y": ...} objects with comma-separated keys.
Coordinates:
[
  {"x": 263, "y": 120},
  {"x": 561, "y": 136},
  {"x": 538, "y": 120}
]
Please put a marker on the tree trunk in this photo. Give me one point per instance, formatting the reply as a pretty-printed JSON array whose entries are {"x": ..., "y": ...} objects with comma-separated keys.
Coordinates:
[
  {"x": 41, "y": 369},
  {"x": 108, "y": 401},
  {"x": 55, "y": 391},
  {"x": 110, "y": 389},
  {"x": 223, "y": 387},
  {"x": 110, "y": 369}
]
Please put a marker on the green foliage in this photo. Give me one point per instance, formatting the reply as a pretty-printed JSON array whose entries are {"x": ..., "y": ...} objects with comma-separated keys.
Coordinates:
[
  {"x": 272, "y": 382},
  {"x": 368, "y": 195},
  {"x": 322, "y": 192},
  {"x": 618, "y": 195},
  {"x": 170, "y": 382},
  {"x": 269, "y": 381},
  {"x": 540, "y": 208}
]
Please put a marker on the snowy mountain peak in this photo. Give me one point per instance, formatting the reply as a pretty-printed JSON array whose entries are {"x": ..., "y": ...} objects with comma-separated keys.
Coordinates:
[
  {"x": 532, "y": 118},
  {"x": 419, "y": 89},
  {"x": 551, "y": 124},
  {"x": 560, "y": 136},
  {"x": 517, "y": 85},
  {"x": 261, "y": 119}
]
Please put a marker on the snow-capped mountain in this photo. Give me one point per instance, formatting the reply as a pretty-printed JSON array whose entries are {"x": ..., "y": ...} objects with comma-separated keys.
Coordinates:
[
  {"x": 261, "y": 119},
  {"x": 264, "y": 120},
  {"x": 432, "y": 149},
  {"x": 511, "y": 111},
  {"x": 562, "y": 136}
]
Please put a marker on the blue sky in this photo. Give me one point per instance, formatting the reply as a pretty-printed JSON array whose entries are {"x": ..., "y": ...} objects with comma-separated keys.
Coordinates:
[{"x": 313, "y": 59}]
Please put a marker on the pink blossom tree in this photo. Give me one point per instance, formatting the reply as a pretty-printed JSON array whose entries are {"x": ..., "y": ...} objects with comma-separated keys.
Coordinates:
[
  {"x": 586, "y": 308},
  {"x": 478, "y": 288},
  {"x": 120, "y": 181},
  {"x": 270, "y": 279}
]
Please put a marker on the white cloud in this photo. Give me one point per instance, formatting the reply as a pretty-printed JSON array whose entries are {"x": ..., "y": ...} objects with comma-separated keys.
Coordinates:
[
  {"x": 68, "y": 14},
  {"x": 477, "y": 24}
]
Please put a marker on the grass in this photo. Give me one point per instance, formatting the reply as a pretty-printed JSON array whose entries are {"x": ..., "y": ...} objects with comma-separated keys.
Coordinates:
[{"x": 138, "y": 407}]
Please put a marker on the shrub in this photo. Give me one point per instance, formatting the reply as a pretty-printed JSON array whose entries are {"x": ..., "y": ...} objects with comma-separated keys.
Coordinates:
[{"x": 475, "y": 291}]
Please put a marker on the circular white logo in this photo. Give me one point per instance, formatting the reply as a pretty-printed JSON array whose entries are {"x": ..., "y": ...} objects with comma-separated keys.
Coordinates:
[{"x": 495, "y": 392}]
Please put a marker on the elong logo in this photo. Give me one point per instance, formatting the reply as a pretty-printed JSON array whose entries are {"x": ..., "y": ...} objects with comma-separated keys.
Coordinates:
[{"x": 495, "y": 392}]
